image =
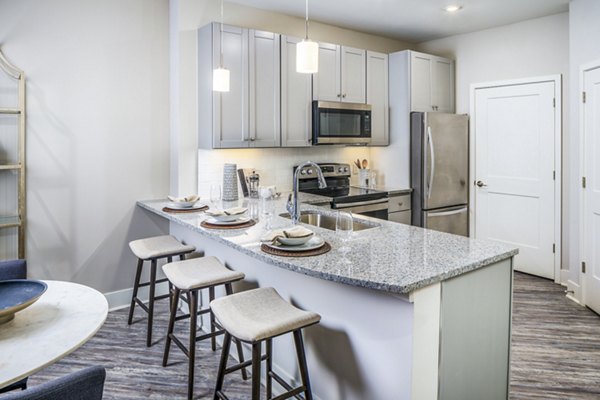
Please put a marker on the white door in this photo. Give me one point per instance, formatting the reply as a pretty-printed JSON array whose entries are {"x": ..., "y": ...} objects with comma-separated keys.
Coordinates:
[
  {"x": 591, "y": 217},
  {"x": 377, "y": 97},
  {"x": 514, "y": 169},
  {"x": 326, "y": 82},
  {"x": 353, "y": 83}
]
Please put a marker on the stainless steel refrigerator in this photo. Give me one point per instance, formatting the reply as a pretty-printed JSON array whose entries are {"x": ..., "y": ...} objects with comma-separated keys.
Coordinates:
[{"x": 440, "y": 171}]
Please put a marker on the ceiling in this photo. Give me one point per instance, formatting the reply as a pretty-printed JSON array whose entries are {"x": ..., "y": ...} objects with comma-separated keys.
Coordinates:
[{"x": 414, "y": 20}]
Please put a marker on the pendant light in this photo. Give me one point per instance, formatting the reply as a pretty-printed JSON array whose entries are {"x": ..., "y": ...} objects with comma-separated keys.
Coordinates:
[
  {"x": 221, "y": 75},
  {"x": 307, "y": 52}
]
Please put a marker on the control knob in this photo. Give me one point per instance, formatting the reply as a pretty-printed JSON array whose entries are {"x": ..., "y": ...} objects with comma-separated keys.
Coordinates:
[
  {"x": 310, "y": 171},
  {"x": 302, "y": 172}
]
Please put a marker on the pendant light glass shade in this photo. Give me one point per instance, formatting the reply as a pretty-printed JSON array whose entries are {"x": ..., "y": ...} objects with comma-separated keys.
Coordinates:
[
  {"x": 221, "y": 80},
  {"x": 307, "y": 57}
]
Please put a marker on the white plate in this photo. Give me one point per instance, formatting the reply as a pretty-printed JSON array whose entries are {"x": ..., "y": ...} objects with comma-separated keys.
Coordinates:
[
  {"x": 227, "y": 218},
  {"x": 294, "y": 241},
  {"x": 180, "y": 205},
  {"x": 314, "y": 243},
  {"x": 239, "y": 221}
]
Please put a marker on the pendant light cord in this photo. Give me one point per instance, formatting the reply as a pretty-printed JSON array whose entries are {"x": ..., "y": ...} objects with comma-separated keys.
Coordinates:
[
  {"x": 306, "y": 23},
  {"x": 221, "y": 55}
]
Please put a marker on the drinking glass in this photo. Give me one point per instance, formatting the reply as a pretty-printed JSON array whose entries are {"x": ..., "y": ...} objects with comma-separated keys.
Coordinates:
[
  {"x": 215, "y": 193},
  {"x": 344, "y": 228}
]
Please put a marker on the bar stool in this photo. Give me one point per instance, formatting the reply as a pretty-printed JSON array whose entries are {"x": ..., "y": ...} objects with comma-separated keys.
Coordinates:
[
  {"x": 151, "y": 249},
  {"x": 189, "y": 277},
  {"x": 255, "y": 316}
]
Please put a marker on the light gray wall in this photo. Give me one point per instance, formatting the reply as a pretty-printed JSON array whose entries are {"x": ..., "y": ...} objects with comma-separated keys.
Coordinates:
[
  {"x": 584, "y": 36},
  {"x": 531, "y": 48},
  {"x": 97, "y": 130}
]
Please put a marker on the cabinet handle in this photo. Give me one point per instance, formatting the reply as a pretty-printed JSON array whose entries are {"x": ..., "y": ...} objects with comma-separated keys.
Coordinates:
[
  {"x": 252, "y": 139},
  {"x": 339, "y": 95},
  {"x": 344, "y": 95}
]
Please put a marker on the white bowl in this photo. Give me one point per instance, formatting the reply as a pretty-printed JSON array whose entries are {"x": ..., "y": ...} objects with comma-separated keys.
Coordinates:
[
  {"x": 182, "y": 204},
  {"x": 227, "y": 218},
  {"x": 294, "y": 241}
]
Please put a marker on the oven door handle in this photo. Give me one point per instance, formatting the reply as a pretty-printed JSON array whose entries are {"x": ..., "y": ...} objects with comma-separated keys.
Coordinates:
[{"x": 362, "y": 203}]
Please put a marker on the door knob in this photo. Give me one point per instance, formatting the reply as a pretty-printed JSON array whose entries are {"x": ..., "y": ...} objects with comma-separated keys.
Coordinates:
[{"x": 480, "y": 184}]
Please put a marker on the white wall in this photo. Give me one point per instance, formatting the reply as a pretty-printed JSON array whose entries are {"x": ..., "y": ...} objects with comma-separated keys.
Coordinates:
[
  {"x": 530, "y": 48},
  {"x": 97, "y": 130},
  {"x": 584, "y": 48},
  {"x": 206, "y": 165}
]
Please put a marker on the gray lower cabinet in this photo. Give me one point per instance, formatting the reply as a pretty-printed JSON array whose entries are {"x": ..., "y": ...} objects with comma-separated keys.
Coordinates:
[{"x": 399, "y": 209}]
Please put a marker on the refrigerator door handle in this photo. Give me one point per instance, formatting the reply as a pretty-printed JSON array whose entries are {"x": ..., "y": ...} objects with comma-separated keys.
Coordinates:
[
  {"x": 446, "y": 213},
  {"x": 432, "y": 160}
]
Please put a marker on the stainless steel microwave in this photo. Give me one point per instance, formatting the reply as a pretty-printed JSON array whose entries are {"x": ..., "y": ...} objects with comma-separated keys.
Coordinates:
[{"x": 341, "y": 123}]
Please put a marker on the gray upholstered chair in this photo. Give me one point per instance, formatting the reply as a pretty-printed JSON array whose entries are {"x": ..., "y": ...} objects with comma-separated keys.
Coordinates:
[
  {"x": 87, "y": 384},
  {"x": 13, "y": 269}
]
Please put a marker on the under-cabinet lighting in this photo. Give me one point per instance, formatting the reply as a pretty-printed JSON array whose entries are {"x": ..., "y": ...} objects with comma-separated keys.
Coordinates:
[{"x": 452, "y": 8}]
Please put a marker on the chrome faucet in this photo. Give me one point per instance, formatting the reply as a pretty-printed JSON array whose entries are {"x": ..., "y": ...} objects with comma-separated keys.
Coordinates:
[{"x": 292, "y": 203}]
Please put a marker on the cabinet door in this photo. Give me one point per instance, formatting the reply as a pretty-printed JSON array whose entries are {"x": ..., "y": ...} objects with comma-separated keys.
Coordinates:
[
  {"x": 296, "y": 97},
  {"x": 264, "y": 96},
  {"x": 353, "y": 82},
  {"x": 377, "y": 97},
  {"x": 402, "y": 217},
  {"x": 443, "y": 84},
  {"x": 420, "y": 82},
  {"x": 326, "y": 82},
  {"x": 230, "y": 118}
]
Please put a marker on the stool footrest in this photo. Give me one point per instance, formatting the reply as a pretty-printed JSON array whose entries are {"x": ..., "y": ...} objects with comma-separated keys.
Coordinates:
[
  {"x": 162, "y": 296},
  {"x": 245, "y": 364},
  {"x": 148, "y": 283},
  {"x": 209, "y": 335},
  {"x": 291, "y": 392},
  {"x": 221, "y": 395},
  {"x": 142, "y": 305},
  {"x": 180, "y": 345}
]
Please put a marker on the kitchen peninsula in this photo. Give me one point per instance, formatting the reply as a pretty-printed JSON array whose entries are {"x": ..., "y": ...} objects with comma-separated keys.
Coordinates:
[{"x": 407, "y": 313}]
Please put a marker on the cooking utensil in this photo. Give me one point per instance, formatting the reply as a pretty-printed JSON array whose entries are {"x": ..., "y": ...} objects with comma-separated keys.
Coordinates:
[
  {"x": 365, "y": 163},
  {"x": 357, "y": 163}
]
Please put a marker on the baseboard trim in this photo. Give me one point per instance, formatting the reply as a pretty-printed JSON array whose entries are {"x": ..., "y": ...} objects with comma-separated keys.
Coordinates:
[{"x": 121, "y": 298}]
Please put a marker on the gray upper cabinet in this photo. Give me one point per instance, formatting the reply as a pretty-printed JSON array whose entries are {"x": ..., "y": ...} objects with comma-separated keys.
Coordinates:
[
  {"x": 431, "y": 83},
  {"x": 296, "y": 97},
  {"x": 342, "y": 74},
  {"x": 249, "y": 114},
  {"x": 377, "y": 97}
]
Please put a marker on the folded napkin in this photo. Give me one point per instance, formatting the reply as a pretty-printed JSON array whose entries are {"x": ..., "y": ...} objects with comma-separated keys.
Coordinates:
[
  {"x": 184, "y": 199},
  {"x": 295, "y": 232},
  {"x": 229, "y": 211}
]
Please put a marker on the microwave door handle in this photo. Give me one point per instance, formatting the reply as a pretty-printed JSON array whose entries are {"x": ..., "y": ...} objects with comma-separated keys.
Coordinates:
[{"x": 431, "y": 160}]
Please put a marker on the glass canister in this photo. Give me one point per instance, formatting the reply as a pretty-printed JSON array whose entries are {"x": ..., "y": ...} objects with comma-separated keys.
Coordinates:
[{"x": 253, "y": 183}]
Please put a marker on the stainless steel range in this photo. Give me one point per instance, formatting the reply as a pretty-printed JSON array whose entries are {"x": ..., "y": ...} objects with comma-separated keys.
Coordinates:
[{"x": 369, "y": 202}]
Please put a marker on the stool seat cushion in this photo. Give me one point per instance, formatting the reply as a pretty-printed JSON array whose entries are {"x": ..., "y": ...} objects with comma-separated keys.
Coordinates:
[
  {"x": 199, "y": 273},
  {"x": 259, "y": 314},
  {"x": 159, "y": 247}
]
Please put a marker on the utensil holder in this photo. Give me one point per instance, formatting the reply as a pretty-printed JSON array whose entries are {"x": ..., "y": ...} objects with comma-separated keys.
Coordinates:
[
  {"x": 230, "y": 183},
  {"x": 363, "y": 177}
]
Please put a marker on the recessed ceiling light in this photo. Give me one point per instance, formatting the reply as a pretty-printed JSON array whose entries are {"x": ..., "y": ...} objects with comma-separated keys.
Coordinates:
[{"x": 452, "y": 8}]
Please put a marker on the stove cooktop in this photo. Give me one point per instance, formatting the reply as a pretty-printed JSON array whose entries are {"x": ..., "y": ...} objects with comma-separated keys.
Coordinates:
[{"x": 348, "y": 194}]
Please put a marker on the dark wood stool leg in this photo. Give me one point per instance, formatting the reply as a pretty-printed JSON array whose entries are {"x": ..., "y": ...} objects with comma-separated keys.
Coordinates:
[
  {"x": 175, "y": 296},
  {"x": 213, "y": 340},
  {"x": 302, "y": 363},
  {"x": 182, "y": 257},
  {"x": 222, "y": 365},
  {"x": 151, "y": 302},
  {"x": 238, "y": 344},
  {"x": 192, "y": 348},
  {"x": 136, "y": 285},
  {"x": 256, "y": 356},
  {"x": 269, "y": 368}
]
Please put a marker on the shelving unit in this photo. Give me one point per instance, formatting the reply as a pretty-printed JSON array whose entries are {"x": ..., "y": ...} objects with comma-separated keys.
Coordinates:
[{"x": 12, "y": 161}]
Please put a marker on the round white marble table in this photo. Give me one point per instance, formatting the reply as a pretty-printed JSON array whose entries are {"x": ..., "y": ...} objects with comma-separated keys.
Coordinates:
[{"x": 64, "y": 318}]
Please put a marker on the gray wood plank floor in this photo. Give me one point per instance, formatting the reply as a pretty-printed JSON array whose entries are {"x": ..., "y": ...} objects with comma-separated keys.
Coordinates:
[{"x": 555, "y": 353}]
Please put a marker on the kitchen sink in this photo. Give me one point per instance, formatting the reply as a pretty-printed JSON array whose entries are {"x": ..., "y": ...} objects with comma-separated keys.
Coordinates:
[{"x": 328, "y": 221}]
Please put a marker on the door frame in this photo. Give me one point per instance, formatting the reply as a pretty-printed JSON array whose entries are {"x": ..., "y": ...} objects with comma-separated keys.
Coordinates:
[
  {"x": 581, "y": 192},
  {"x": 557, "y": 80}
]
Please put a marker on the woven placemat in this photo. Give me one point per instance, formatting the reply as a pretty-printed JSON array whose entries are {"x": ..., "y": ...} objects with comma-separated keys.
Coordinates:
[
  {"x": 208, "y": 225},
  {"x": 307, "y": 253},
  {"x": 184, "y": 210}
]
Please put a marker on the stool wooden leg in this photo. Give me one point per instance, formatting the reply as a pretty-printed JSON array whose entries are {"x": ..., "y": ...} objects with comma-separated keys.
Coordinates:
[
  {"x": 222, "y": 365},
  {"x": 182, "y": 257},
  {"x": 269, "y": 368},
  {"x": 175, "y": 300},
  {"x": 136, "y": 284},
  {"x": 302, "y": 363},
  {"x": 151, "y": 302},
  {"x": 213, "y": 339},
  {"x": 256, "y": 356},
  {"x": 238, "y": 344},
  {"x": 192, "y": 348}
]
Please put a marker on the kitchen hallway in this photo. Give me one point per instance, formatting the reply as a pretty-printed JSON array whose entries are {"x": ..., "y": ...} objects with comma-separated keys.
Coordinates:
[{"x": 555, "y": 353}]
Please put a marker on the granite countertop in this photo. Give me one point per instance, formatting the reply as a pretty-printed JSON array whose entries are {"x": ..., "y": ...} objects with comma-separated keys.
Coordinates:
[{"x": 391, "y": 257}]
